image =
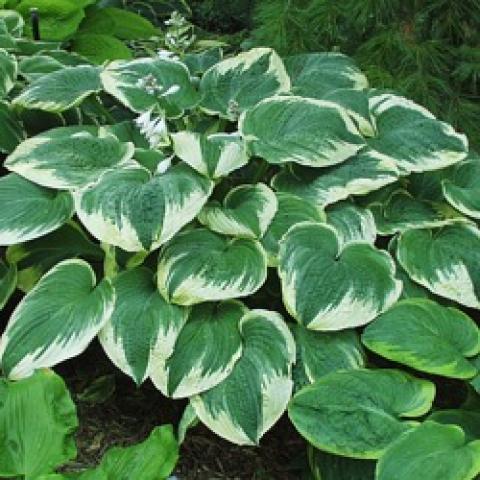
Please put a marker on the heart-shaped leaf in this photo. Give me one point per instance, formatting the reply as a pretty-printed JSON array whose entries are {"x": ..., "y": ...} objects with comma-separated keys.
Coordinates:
[{"x": 329, "y": 287}]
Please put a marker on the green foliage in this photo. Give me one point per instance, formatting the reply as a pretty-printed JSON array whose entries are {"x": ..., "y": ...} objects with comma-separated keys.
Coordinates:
[{"x": 100, "y": 48}]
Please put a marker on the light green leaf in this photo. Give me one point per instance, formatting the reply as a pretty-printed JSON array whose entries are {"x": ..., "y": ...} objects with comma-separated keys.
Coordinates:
[
  {"x": 199, "y": 266},
  {"x": 291, "y": 210},
  {"x": 60, "y": 90},
  {"x": 8, "y": 282},
  {"x": 142, "y": 328},
  {"x": 205, "y": 351},
  {"x": 214, "y": 155},
  {"x": 100, "y": 48},
  {"x": 13, "y": 21},
  {"x": 327, "y": 286},
  {"x": 426, "y": 336},
  {"x": 151, "y": 83},
  {"x": 321, "y": 353},
  {"x": 56, "y": 320},
  {"x": 431, "y": 452},
  {"x": 352, "y": 223},
  {"x": 365, "y": 172},
  {"x": 254, "y": 396},
  {"x": 358, "y": 413},
  {"x": 37, "y": 425},
  {"x": 247, "y": 211},
  {"x": 136, "y": 211},
  {"x": 11, "y": 130},
  {"x": 8, "y": 72},
  {"x": 315, "y": 75},
  {"x": 236, "y": 84},
  {"x": 310, "y": 132},
  {"x": 36, "y": 257},
  {"x": 67, "y": 157},
  {"x": 32, "y": 212},
  {"x": 445, "y": 260},
  {"x": 412, "y": 137}
]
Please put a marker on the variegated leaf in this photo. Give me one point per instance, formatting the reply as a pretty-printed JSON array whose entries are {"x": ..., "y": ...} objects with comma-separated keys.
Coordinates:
[
  {"x": 310, "y": 132},
  {"x": 8, "y": 72},
  {"x": 329, "y": 286},
  {"x": 33, "y": 211},
  {"x": 56, "y": 320},
  {"x": 136, "y": 211},
  {"x": 11, "y": 130},
  {"x": 8, "y": 282},
  {"x": 262, "y": 375},
  {"x": 236, "y": 84},
  {"x": 68, "y": 157},
  {"x": 215, "y": 155},
  {"x": 142, "y": 328},
  {"x": 445, "y": 260},
  {"x": 205, "y": 351},
  {"x": 199, "y": 265},
  {"x": 247, "y": 211}
]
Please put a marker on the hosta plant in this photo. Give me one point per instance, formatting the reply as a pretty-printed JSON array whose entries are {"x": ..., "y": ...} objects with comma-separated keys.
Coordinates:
[{"x": 253, "y": 234}]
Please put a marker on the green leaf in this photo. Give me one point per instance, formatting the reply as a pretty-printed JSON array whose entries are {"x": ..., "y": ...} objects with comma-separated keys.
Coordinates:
[
  {"x": 247, "y": 211},
  {"x": 68, "y": 157},
  {"x": 426, "y": 336},
  {"x": 8, "y": 282},
  {"x": 445, "y": 260},
  {"x": 11, "y": 130},
  {"x": 321, "y": 353},
  {"x": 151, "y": 83},
  {"x": 468, "y": 420},
  {"x": 205, "y": 351},
  {"x": 37, "y": 425},
  {"x": 358, "y": 413},
  {"x": 13, "y": 21},
  {"x": 365, "y": 172},
  {"x": 8, "y": 72},
  {"x": 100, "y": 48},
  {"x": 310, "y": 132},
  {"x": 214, "y": 155},
  {"x": 32, "y": 212},
  {"x": 327, "y": 286},
  {"x": 199, "y": 266},
  {"x": 142, "y": 328},
  {"x": 315, "y": 75},
  {"x": 431, "y": 451},
  {"x": 56, "y": 320},
  {"x": 254, "y": 396},
  {"x": 412, "y": 137},
  {"x": 291, "y": 210},
  {"x": 60, "y": 90},
  {"x": 36, "y": 257},
  {"x": 136, "y": 211},
  {"x": 236, "y": 84}
]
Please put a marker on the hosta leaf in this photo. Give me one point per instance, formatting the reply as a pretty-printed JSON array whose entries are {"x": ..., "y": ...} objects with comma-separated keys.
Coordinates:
[
  {"x": 56, "y": 320},
  {"x": 136, "y": 211},
  {"x": 291, "y": 210},
  {"x": 37, "y": 425},
  {"x": 460, "y": 187},
  {"x": 214, "y": 155},
  {"x": 100, "y": 48},
  {"x": 317, "y": 74},
  {"x": 199, "y": 266},
  {"x": 314, "y": 133},
  {"x": 327, "y": 286},
  {"x": 236, "y": 84},
  {"x": 11, "y": 130},
  {"x": 431, "y": 451},
  {"x": 8, "y": 72},
  {"x": 321, "y": 353},
  {"x": 426, "y": 336},
  {"x": 352, "y": 223},
  {"x": 60, "y": 90},
  {"x": 247, "y": 211},
  {"x": 205, "y": 352},
  {"x": 13, "y": 21},
  {"x": 146, "y": 83},
  {"x": 199, "y": 63},
  {"x": 36, "y": 257},
  {"x": 412, "y": 137},
  {"x": 7, "y": 41},
  {"x": 468, "y": 420},
  {"x": 359, "y": 175},
  {"x": 143, "y": 327},
  {"x": 253, "y": 397},
  {"x": 8, "y": 282},
  {"x": 32, "y": 212},
  {"x": 445, "y": 260},
  {"x": 358, "y": 413},
  {"x": 63, "y": 158}
]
